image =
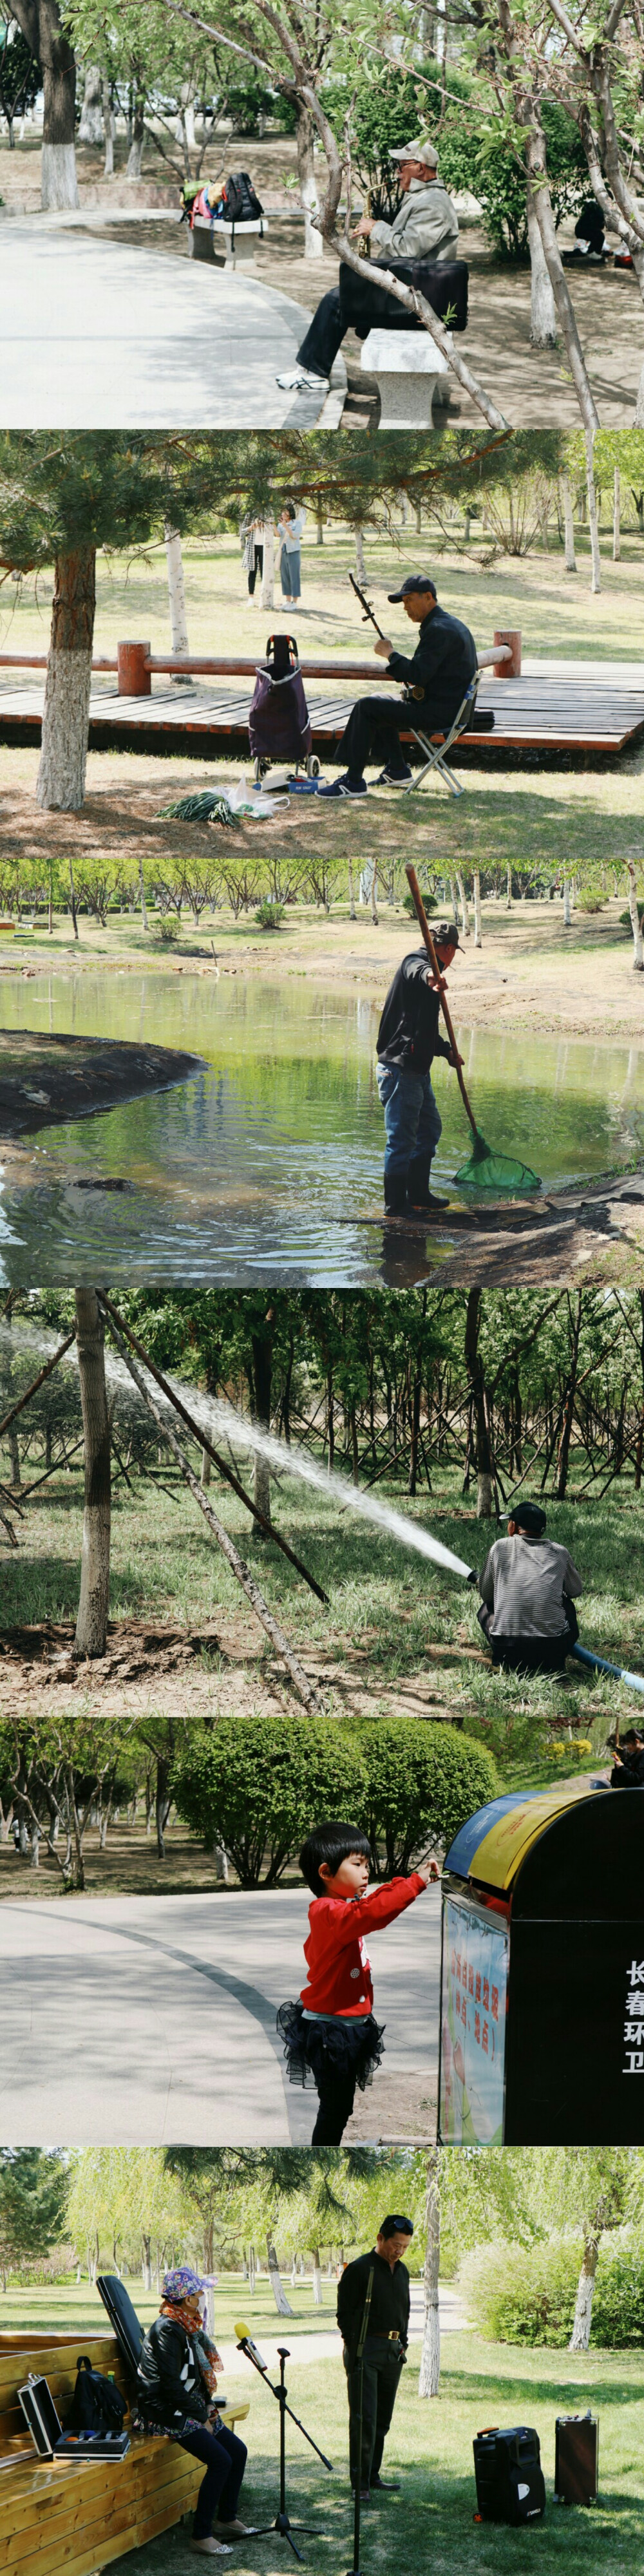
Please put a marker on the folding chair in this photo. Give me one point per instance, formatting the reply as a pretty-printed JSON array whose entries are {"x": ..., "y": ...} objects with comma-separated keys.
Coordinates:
[{"x": 437, "y": 752}]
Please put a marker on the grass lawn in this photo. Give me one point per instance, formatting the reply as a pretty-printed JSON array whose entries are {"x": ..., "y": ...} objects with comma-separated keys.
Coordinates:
[
  {"x": 67, "y": 2306},
  {"x": 430, "y": 2525}
]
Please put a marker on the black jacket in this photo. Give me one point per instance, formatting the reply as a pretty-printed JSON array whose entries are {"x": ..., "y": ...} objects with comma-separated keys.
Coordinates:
[
  {"x": 171, "y": 2380},
  {"x": 408, "y": 1032},
  {"x": 442, "y": 666},
  {"x": 629, "y": 1773},
  {"x": 389, "y": 2308}
]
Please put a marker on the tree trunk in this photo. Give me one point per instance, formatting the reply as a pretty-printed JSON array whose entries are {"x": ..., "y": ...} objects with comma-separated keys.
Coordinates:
[
  {"x": 478, "y": 926},
  {"x": 267, "y": 595},
  {"x": 508, "y": 887},
  {"x": 360, "y": 561},
  {"x": 596, "y": 571},
  {"x": 135, "y": 154},
  {"x": 317, "y": 2278},
  {"x": 569, "y": 527},
  {"x": 177, "y": 599},
  {"x": 206, "y": 1467},
  {"x": 146, "y": 2262},
  {"x": 93, "y": 1608},
  {"x": 467, "y": 927},
  {"x": 41, "y": 25},
  {"x": 309, "y": 200},
  {"x": 352, "y": 900},
  {"x": 91, "y": 123},
  {"x": 282, "y": 2304},
  {"x": 430, "y": 2360},
  {"x": 262, "y": 1389},
  {"x": 569, "y": 1404},
  {"x": 474, "y": 1365},
  {"x": 617, "y": 512},
  {"x": 60, "y": 785},
  {"x": 567, "y": 915},
  {"x": 144, "y": 908},
  {"x": 636, "y": 924},
  {"x": 108, "y": 126},
  {"x": 543, "y": 317},
  {"x": 580, "y": 2337}
]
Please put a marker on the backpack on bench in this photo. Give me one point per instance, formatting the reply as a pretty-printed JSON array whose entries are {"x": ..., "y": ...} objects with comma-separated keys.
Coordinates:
[{"x": 97, "y": 2406}]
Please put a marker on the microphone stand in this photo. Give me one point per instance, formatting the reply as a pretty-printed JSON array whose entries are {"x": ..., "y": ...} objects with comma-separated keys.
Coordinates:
[
  {"x": 355, "y": 2569},
  {"x": 282, "y": 2524}
]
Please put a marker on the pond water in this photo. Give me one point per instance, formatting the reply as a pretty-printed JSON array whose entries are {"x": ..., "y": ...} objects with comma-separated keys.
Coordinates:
[{"x": 269, "y": 1160}]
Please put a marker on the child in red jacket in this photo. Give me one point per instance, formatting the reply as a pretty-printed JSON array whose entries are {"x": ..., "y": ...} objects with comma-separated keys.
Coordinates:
[{"x": 331, "y": 2034}]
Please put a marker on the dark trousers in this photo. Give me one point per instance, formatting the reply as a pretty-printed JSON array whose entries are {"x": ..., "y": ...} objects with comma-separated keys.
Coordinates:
[
  {"x": 527, "y": 1654},
  {"x": 225, "y": 2461},
  {"x": 381, "y": 2373},
  {"x": 336, "y": 2095},
  {"x": 373, "y": 733},
  {"x": 257, "y": 567},
  {"x": 324, "y": 336}
]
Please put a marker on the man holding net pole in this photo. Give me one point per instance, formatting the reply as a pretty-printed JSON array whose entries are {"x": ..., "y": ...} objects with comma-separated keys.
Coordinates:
[{"x": 408, "y": 1040}]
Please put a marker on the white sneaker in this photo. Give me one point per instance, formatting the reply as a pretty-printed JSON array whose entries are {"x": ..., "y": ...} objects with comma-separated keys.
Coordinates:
[{"x": 300, "y": 381}]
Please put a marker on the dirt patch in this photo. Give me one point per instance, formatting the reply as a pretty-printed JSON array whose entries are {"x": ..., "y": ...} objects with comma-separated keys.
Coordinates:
[
  {"x": 395, "y": 2107},
  {"x": 45, "y": 1079}
]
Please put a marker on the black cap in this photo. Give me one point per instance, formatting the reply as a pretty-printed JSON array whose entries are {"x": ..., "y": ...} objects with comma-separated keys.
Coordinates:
[
  {"x": 396, "y": 2227},
  {"x": 445, "y": 934},
  {"x": 415, "y": 581},
  {"x": 527, "y": 1516}
]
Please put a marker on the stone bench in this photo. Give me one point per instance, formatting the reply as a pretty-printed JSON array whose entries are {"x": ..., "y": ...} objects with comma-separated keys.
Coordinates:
[
  {"x": 225, "y": 245},
  {"x": 411, "y": 374}
]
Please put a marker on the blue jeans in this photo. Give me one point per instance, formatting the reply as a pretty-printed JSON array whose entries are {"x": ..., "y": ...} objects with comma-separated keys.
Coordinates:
[
  {"x": 290, "y": 572},
  {"x": 412, "y": 1120},
  {"x": 224, "y": 2460}
]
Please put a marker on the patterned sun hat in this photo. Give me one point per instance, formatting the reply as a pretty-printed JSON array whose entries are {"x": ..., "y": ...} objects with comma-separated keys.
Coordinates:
[{"x": 183, "y": 2283}]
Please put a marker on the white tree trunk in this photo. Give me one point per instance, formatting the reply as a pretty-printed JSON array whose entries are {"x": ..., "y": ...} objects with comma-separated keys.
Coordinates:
[
  {"x": 144, "y": 908},
  {"x": 478, "y": 925},
  {"x": 596, "y": 571},
  {"x": 543, "y": 316},
  {"x": 93, "y": 1608},
  {"x": 108, "y": 128},
  {"x": 580, "y": 2337},
  {"x": 467, "y": 926},
  {"x": 508, "y": 887},
  {"x": 282, "y": 2304},
  {"x": 617, "y": 510},
  {"x": 135, "y": 157},
  {"x": 220, "y": 1857},
  {"x": 636, "y": 924},
  {"x": 309, "y": 200},
  {"x": 360, "y": 562},
  {"x": 430, "y": 2360},
  {"x": 374, "y": 884},
  {"x": 569, "y": 525},
  {"x": 60, "y": 785},
  {"x": 91, "y": 123},
  {"x": 317, "y": 2278},
  {"x": 177, "y": 598},
  {"x": 352, "y": 900},
  {"x": 484, "y": 1495},
  {"x": 567, "y": 915},
  {"x": 267, "y": 596},
  {"x": 454, "y": 898},
  {"x": 59, "y": 184}
]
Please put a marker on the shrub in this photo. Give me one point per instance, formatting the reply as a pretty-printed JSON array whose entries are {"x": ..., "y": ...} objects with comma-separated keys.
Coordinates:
[
  {"x": 525, "y": 2294},
  {"x": 259, "y": 1784},
  {"x": 167, "y": 931},
  {"x": 269, "y": 916},
  {"x": 422, "y": 1782}
]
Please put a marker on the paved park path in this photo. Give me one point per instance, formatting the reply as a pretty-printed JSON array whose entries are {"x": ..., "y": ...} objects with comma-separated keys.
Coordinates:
[
  {"x": 99, "y": 334},
  {"x": 146, "y": 2021}
]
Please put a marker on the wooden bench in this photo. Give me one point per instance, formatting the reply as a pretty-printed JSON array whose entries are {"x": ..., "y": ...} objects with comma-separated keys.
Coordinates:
[{"x": 78, "y": 2517}]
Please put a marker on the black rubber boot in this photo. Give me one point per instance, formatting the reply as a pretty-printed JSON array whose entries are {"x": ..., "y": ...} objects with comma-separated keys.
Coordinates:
[
  {"x": 396, "y": 1193},
  {"x": 420, "y": 1199}
]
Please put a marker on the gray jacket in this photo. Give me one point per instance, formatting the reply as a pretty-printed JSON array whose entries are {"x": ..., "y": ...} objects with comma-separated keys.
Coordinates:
[
  {"x": 425, "y": 227},
  {"x": 524, "y": 1582}
]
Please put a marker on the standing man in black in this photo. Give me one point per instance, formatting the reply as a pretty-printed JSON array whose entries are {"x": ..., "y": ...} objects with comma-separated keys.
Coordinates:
[
  {"x": 408, "y": 1040},
  {"x": 385, "y": 2347},
  {"x": 436, "y": 677}
]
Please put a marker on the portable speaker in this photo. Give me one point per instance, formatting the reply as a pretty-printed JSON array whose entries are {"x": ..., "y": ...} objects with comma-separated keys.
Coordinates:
[
  {"x": 509, "y": 2478},
  {"x": 576, "y": 2458}
]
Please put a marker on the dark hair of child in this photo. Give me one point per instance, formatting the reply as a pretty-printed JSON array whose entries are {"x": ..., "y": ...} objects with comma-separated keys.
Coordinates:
[{"x": 331, "y": 1843}]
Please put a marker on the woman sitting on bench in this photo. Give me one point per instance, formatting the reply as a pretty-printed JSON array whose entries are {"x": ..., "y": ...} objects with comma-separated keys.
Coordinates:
[{"x": 177, "y": 2382}]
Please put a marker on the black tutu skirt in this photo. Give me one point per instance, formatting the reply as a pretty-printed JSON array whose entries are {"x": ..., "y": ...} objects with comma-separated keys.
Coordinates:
[{"x": 329, "y": 2045}]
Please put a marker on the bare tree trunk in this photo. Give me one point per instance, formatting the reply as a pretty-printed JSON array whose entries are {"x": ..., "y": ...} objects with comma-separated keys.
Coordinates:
[
  {"x": 467, "y": 927},
  {"x": 617, "y": 508},
  {"x": 352, "y": 899},
  {"x": 60, "y": 785},
  {"x": 596, "y": 573},
  {"x": 360, "y": 561},
  {"x": 177, "y": 599},
  {"x": 309, "y": 200},
  {"x": 569, "y": 1404},
  {"x": 508, "y": 887},
  {"x": 580, "y": 2337},
  {"x": 262, "y": 1387},
  {"x": 108, "y": 124},
  {"x": 93, "y": 1608},
  {"x": 135, "y": 154},
  {"x": 91, "y": 122},
  {"x": 267, "y": 595},
  {"x": 543, "y": 318},
  {"x": 569, "y": 526},
  {"x": 567, "y": 915},
  {"x": 474, "y": 1366},
  {"x": 282, "y": 2304},
  {"x": 430, "y": 2360},
  {"x": 478, "y": 926},
  {"x": 317, "y": 2278},
  {"x": 636, "y": 923},
  {"x": 41, "y": 25}
]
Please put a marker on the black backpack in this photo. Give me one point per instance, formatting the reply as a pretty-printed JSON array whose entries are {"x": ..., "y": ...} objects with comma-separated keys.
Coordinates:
[
  {"x": 238, "y": 203},
  {"x": 97, "y": 2406}
]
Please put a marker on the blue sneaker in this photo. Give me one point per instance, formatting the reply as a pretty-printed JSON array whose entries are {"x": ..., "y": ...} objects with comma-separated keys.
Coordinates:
[{"x": 345, "y": 786}]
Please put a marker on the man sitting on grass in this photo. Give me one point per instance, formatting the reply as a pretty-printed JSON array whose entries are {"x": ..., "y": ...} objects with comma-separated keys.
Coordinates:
[
  {"x": 528, "y": 1588},
  {"x": 436, "y": 677}
]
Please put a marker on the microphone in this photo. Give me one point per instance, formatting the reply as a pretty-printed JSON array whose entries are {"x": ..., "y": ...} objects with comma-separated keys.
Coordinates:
[{"x": 247, "y": 2345}]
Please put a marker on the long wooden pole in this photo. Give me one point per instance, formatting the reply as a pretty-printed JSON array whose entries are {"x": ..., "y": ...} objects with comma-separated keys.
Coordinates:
[
  {"x": 441, "y": 988},
  {"x": 204, "y": 1443},
  {"x": 305, "y": 1690}
]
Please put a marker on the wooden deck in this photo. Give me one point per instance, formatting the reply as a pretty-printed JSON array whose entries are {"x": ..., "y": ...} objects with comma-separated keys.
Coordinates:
[
  {"x": 77, "y": 2518},
  {"x": 539, "y": 715}
]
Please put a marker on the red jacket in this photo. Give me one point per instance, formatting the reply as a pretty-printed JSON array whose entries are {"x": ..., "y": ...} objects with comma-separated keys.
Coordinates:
[{"x": 339, "y": 1978}]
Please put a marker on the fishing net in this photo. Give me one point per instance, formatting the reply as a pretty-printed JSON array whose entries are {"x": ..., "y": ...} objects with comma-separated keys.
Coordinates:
[{"x": 489, "y": 1174}]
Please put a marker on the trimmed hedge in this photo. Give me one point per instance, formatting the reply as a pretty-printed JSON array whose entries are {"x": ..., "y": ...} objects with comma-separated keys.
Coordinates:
[
  {"x": 423, "y": 1781},
  {"x": 525, "y": 2294},
  {"x": 258, "y": 1785}
]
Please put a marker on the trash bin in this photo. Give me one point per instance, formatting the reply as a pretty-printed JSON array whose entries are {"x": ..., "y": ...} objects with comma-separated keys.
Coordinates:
[{"x": 542, "y": 1972}]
